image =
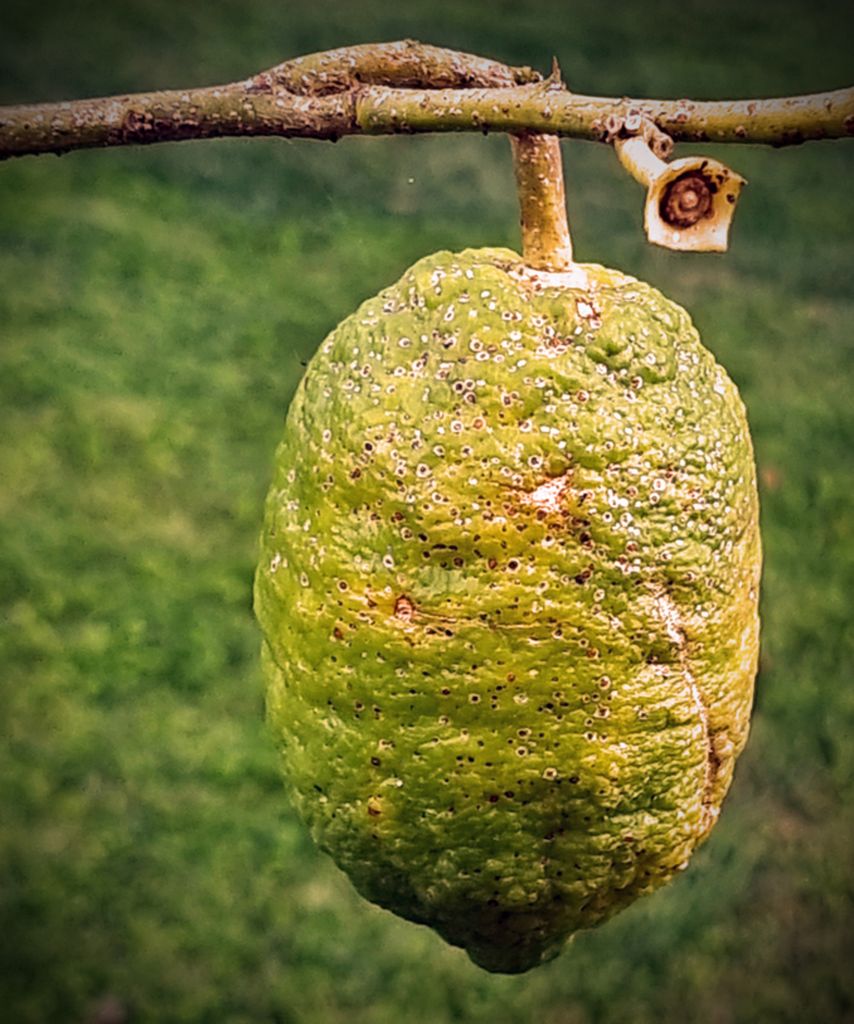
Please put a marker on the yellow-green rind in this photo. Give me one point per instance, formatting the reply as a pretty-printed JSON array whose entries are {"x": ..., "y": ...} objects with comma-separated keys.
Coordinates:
[{"x": 508, "y": 588}]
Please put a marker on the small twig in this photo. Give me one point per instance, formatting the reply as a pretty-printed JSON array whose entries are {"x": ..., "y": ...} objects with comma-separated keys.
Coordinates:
[
  {"x": 639, "y": 160},
  {"x": 325, "y": 96}
]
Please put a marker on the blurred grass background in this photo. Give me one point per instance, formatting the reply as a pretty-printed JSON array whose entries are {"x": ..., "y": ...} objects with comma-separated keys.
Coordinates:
[{"x": 157, "y": 306}]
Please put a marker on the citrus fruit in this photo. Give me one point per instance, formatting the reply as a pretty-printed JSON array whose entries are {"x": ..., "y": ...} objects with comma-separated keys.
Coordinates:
[{"x": 508, "y": 589}]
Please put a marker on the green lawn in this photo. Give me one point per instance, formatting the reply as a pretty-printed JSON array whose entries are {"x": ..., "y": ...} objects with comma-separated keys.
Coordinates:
[{"x": 156, "y": 307}]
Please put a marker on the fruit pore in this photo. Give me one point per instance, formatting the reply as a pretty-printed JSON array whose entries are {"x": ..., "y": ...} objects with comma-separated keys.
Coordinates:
[{"x": 508, "y": 588}]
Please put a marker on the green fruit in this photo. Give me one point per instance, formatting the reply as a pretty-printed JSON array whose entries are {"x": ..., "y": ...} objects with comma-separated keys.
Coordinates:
[{"x": 508, "y": 587}]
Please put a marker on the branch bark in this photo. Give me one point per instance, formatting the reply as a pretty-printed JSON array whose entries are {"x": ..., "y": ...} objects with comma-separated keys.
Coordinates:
[{"x": 406, "y": 87}]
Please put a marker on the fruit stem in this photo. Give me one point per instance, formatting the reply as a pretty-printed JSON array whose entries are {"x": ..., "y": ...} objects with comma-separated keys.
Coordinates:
[{"x": 546, "y": 243}]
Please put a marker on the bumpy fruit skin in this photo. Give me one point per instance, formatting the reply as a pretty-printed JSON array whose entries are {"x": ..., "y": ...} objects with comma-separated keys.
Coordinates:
[{"x": 508, "y": 588}]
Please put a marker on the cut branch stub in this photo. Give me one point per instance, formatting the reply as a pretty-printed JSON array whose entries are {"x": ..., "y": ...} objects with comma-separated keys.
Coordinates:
[
  {"x": 686, "y": 200},
  {"x": 690, "y": 202},
  {"x": 690, "y": 205}
]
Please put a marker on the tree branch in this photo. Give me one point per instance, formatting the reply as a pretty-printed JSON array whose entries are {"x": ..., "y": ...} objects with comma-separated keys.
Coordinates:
[
  {"x": 406, "y": 87},
  {"x": 543, "y": 108}
]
